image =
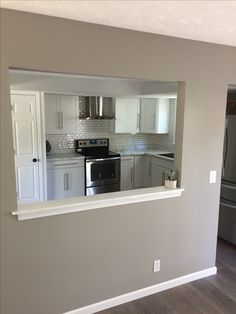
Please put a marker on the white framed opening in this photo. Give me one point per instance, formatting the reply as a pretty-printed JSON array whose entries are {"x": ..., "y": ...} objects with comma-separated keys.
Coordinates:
[{"x": 142, "y": 167}]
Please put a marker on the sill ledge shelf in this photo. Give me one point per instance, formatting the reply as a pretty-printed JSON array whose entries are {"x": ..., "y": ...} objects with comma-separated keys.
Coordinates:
[{"x": 82, "y": 203}]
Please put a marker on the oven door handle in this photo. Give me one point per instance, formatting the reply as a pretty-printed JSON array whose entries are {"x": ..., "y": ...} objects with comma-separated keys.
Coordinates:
[{"x": 103, "y": 159}]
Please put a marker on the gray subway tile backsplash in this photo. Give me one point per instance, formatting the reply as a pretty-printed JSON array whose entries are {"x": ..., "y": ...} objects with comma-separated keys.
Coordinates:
[{"x": 101, "y": 129}]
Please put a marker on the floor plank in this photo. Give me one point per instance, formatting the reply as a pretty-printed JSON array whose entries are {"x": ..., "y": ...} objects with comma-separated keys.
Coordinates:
[{"x": 211, "y": 295}]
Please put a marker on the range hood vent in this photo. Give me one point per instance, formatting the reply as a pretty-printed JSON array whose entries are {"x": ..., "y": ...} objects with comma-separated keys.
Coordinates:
[{"x": 97, "y": 108}]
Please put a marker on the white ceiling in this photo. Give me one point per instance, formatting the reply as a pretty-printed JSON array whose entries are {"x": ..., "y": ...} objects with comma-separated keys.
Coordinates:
[{"x": 210, "y": 21}]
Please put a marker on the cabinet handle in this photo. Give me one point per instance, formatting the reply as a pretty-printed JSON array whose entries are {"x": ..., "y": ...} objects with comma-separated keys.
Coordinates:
[
  {"x": 58, "y": 120},
  {"x": 65, "y": 181},
  {"x": 131, "y": 175},
  {"x": 163, "y": 177},
  {"x": 69, "y": 164},
  {"x": 137, "y": 121},
  {"x": 149, "y": 169},
  {"x": 154, "y": 121},
  {"x": 61, "y": 120}
]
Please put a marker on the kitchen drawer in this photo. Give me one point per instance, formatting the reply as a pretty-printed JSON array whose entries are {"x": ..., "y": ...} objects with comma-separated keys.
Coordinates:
[
  {"x": 65, "y": 163},
  {"x": 127, "y": 158},
  {"x": 162, "y": 162}
]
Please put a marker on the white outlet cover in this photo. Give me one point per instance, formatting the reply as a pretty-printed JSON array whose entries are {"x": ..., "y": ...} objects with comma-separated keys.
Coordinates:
[
  {"x": 212, "y": 178},
  {"x": 156, "y": 265}
]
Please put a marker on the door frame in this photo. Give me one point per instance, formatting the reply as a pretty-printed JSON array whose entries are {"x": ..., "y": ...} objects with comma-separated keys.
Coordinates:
[{"x": 40, "y": 127}]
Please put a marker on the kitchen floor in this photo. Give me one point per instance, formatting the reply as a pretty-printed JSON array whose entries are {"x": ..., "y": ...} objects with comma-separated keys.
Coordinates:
[{"x": 212, "y": 295}]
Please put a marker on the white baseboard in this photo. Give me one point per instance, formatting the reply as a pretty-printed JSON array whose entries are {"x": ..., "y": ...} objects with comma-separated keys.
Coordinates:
[{"x": 124, "y": 298}]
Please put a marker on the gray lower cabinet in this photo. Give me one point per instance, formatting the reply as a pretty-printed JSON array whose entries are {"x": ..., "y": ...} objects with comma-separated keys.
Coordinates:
[
  {"x": 142, "y": 171},
  {"x": 127, "y": 173},
  {"x": 158, "y": 170},
  {"x": 65, "y": 179}
]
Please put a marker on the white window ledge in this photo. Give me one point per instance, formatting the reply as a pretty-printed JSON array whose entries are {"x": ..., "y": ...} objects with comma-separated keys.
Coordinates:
[{"x": 82, "y": 203}]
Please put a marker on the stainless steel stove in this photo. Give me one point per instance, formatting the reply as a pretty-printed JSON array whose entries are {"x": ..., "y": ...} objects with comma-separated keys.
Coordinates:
[{"x": 102, "y": 166}]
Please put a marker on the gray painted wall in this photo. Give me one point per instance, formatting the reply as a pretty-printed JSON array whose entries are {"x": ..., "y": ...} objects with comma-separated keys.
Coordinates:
[{"x": 60, "y": 263}]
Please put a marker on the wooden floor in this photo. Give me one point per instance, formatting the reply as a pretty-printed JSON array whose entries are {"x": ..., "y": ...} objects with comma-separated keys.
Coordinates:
[{"x": 211, "y": 295}]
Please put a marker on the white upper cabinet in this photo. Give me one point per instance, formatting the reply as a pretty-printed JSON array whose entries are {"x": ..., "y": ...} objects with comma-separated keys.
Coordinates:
[
  {"x": 69, "y": 112},
  {"x": 126, "y": 115},
  {"x": 52, "y": 119},
  {"x": 61, "y": 113},
  {"x": 141, "y": 115},
  {"x": 154, "y": 115}
]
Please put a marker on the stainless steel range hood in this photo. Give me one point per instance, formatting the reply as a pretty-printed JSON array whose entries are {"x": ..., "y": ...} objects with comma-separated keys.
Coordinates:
[{"x": 96, "y": 108}]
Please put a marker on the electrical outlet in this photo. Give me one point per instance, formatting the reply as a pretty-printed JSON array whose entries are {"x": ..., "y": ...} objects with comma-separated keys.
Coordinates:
[
  {"x": 212, "y": 178},
  {"x": 156, "y": 265}
]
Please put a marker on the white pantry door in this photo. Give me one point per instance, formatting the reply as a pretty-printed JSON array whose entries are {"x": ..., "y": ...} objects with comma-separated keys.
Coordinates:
[{"x": 28, "y": 156}]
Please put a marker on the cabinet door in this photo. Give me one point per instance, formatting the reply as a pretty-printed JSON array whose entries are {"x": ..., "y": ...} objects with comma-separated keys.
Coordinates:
[
  {"x": 126, "y": 175},
  {"x": 139, "y": 171},
  {"x": 154, "y": 115},
  {"x": 147, "y": 166},
  {"x": 68, "y": 113},
  {"x": 142, "y": 171},
  {"x": 52, "y": 114},
  {"x": 162, "y": 116},
  {"x": 158, "y": 175},
  {"x": 148, "y": 115},
  {"x": 127, "y": 115},
  {"x": 75, "y": 181},
  {"x": 56, "y": 183}
]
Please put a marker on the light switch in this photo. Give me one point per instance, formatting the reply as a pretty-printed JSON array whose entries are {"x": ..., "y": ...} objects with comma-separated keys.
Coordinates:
[{"x": 212, "y": 178}]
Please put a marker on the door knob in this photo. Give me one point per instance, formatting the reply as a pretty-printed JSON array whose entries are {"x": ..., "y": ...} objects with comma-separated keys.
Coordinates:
[{"x": 35, "y": 159}]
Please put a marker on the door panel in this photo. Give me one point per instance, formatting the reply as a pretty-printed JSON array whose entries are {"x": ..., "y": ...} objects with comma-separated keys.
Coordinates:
[
  {"x": 26, "y": 132},
  {"x": 23, "y": 105},
  {"x": 24, "y": 137},
  {"x": 28, "y": 189}
]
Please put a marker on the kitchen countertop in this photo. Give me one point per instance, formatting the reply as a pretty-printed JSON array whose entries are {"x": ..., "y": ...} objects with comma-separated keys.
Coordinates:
[
  {"x": 64, "y": 156},
  {"x": 148, "y": 152},
  {"x": 143, "y": 152}
]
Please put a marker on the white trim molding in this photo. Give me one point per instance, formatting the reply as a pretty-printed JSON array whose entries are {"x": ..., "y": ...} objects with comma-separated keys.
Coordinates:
[
  {"x": 134, "y": 295},
  {"x": 82, "y": 203}
]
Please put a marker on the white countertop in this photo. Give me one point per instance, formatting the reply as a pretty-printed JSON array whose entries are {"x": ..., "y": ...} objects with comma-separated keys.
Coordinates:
[
  {"x": 133, "y": 152},
  {"x": 64, "y": 156},
  {"x": 147, "y": 152}
]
